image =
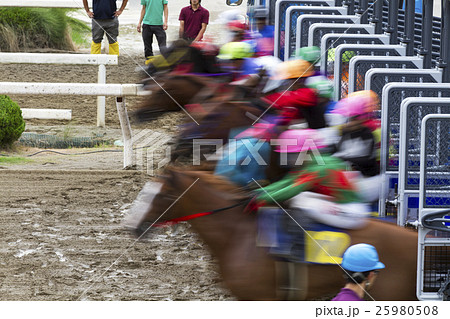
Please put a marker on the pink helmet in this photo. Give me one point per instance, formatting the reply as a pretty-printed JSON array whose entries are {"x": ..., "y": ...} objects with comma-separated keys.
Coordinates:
[
  {"x": 358, "y": 103},
  {"x": 237, "y": 25},
  {"x": 295, "y": 141}
]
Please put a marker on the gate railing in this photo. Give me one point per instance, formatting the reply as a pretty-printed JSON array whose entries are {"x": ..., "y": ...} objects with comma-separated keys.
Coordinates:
[
  {"x": 392, "y": 97},
  {"x": 433, "y": 260}
]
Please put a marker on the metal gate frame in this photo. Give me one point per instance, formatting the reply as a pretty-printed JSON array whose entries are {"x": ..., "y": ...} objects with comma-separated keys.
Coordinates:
[
  {"x": 429, "y": 216},
  {"x": 273, "y": 7},
  {"x": 342, "y": 48},
  {"x": 406, "y": 148},
  {"x": 409, "y": 62},
  {"x": 292, "y": 13},
  {"x": 332, "y": 40},
  {"x": 303, "y": 24},
  {"x": 396, "y": 50},
  {"x": 390, "y": 121},
  {"x": 341, "y": 28},
  {"x": 400, "y": 73}
]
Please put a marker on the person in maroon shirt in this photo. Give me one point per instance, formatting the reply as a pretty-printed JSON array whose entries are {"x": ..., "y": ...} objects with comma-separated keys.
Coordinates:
[
  {"x": 193, "y": 21},
  {"x": 361, "y": 265}
]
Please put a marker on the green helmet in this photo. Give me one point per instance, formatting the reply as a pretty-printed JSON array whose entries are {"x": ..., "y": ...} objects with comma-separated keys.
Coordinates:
[
  {"x": 310, "y": 54},
  {"x": 345, "y": 57},
  {"x": 322, "y": 85},
  {"x": 235, "y": 50}
]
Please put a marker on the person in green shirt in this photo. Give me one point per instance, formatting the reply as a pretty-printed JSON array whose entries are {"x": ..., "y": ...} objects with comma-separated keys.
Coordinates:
[{"x": 151, "y": 23}]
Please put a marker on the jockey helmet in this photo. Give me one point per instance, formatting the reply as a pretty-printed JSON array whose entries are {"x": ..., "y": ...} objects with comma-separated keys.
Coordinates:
[
  {"x": 235, "y": 50},
  {"x": 237, "y": 25},
  {"x": 321, "y": 84},
  {"x": 357, "y": 104},
  {"x": 296, "y": 141},
  {"x": 310, "y": 54},
  {"x": 361, "y": 258},
  {"x": 293, "y": 69}
]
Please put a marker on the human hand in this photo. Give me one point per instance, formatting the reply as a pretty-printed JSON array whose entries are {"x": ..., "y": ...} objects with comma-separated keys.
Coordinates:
[
  {"x": 164, "y": 26},
  {"x": 90, "y": 14},
  {"x": 118, "y": 13},
  {"x": 139, "y": 28}
]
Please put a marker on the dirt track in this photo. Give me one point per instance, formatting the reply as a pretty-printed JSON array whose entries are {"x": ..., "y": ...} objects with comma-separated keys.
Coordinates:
[
  {"x": 61, "y": 232},
  {"x": 60, "y": 215}
]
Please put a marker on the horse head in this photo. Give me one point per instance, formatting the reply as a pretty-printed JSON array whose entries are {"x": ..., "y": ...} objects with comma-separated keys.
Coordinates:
[{"x": 178, "y": 194}]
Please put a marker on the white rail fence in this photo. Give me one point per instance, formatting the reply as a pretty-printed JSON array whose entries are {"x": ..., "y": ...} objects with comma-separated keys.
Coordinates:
[
  {"x": 68, "y": 59},
  {"x": 73, "y": 4},
  {"x": 120, "y": 91}
]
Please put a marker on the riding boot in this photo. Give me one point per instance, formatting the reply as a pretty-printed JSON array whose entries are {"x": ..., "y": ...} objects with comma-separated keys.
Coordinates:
[
  {"x": 96, "y": 48},
  {"x": 114, "y": 48}
]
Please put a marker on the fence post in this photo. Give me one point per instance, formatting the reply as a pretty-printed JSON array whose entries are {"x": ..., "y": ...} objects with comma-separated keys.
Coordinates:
[
  {"x": 126, "y": 132},
  {"x": 377, "y": 17},
  {"x": 362, "y": 10},
  {"x": 392, "y": 26},
  {"x": 408, "y": 37},
  {"x": 427, "y": 33},
  {"x": 351, "y": 6},
  {"x": 445, "y": 46},
  {"x": 101, "y": 100}
]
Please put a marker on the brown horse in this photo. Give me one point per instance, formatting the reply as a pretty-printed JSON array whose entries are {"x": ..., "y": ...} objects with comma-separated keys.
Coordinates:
[
  {"x": 175, "y": 91},
  {"x": 247, "y": 270},
  {"x": 171, "y": 93}
]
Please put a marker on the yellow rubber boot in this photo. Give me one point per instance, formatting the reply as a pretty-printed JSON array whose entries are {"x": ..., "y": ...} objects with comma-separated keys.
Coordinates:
[
  {"x": 114, "y": 48},
  {"x": 96, "y": 48}
]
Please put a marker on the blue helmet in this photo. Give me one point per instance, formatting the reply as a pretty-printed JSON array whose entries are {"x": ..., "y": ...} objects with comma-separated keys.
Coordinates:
[{"x": 361, "y": 258}]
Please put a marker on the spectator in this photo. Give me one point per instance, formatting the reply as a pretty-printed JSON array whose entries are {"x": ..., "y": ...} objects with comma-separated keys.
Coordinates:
[
  {"x": 152, "y": 23},
  {"x": 104, "y": 20},
  {"x": 361, "y": 265},
  {"x": 193, "y": 21}
]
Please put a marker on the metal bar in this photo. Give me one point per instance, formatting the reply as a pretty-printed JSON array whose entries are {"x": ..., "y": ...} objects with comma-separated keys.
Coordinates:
[
  {"x": 445, "y": 45},
  {"x": 377, "y": 17},
  {"x": 362, "y": 10},
  {"x": 427, "y": 33},
  {"x": 408, "y": 37},
  {"x": 392, "y": 26},
  {"x": 351, "y": 6}
]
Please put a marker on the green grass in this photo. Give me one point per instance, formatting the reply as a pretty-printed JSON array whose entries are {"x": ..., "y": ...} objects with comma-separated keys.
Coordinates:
[
  {"x": 14, "y": 160},
  {"x": 37, "y": 28}
]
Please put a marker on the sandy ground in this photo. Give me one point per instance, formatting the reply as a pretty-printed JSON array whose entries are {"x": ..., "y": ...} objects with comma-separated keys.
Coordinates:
[{"x": 60, "y": 235}]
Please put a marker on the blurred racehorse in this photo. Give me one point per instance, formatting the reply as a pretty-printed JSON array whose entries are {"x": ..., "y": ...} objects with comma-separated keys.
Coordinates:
[{"x": 247, "y": 270}]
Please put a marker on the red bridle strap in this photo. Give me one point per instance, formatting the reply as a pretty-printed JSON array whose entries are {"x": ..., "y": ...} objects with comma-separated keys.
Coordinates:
[
  {"x": 189, "y": 217},
  {"x": 181, "y": 219}
]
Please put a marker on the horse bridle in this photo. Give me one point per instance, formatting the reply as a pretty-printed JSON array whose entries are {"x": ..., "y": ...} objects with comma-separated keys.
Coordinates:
[{"x": 196, "y": 215}]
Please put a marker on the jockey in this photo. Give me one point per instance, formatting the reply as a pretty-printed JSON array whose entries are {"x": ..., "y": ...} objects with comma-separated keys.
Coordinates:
[
  {"x": 316, "y": 183},
  {"x": 235, "y": 56},
  {"x": 297, "y": 101},
  {"x": 263, "y": 36},
  {"x": 359, "y": 144},
  {"x": 361, "y": 135},
  {"x": 361, "y": 266},
  {"x": 238, "y": 30}
]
